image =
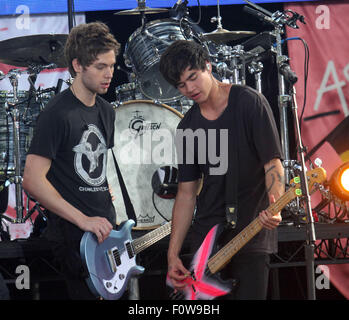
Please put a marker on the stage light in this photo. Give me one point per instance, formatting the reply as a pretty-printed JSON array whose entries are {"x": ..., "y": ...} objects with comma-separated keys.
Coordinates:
[{"x": 339, "y": 182}]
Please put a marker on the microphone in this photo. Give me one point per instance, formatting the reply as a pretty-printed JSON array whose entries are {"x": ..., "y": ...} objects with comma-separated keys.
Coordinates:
[
  {"x": 169, "y": 186},
  {"x": 288, "y": 74},
  {"x": 292, "y": 21},
  {"x": 164, "y": 182},
  {"x": 259, "y": 15},
  {"x": 59, "y": 86}
]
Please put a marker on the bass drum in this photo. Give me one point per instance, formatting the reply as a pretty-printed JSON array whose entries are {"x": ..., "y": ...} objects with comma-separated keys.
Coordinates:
[
  {"x": 142, "y": 53},
  {"x": 143, "y": 145}
]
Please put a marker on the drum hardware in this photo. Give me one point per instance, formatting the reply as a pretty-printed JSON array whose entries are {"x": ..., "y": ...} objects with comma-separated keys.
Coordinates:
[
  {"x": 179, "y": 10},
  {"x": 221, "y": 35},
  {"x": 39, "y": 49},
  {"x": 13, "y": 111},
  {"x": 17, "y": 106},
  {"x": 238, "y": 65},
  {"x": 141, "y": 9},
  {"x": 229, "y": 63},
  {"x": 279, "y": 20},
  {"x": 126, "y": 92},
  {"x": 256, "y": 68},
  {"x": 142, "y": 53}
]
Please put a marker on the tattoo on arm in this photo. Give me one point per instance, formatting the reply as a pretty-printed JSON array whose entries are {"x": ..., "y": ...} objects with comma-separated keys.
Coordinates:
[
  {"x": 271, "y": 183},
  {"x": 273, "y": 177},
  {"x": 269, "y": 169}
]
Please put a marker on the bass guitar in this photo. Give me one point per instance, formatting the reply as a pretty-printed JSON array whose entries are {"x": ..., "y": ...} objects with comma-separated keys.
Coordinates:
[
  {"x": 204, "y": 282},
  {"x": 111, "y": 263}
]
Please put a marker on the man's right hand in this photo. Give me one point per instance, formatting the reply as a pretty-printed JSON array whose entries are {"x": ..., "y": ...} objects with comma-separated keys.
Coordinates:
[
  {"x": 177, "y": 273},
  {"x": 100, "y": 226}
]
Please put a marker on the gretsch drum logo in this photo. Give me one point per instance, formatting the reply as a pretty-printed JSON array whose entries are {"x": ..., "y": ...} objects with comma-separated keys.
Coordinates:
[{"x": 138, "y": 125}]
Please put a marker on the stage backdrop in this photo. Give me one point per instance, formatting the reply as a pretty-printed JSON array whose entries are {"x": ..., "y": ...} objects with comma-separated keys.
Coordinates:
[
  {"x": 19, "y": 26},
  {"x": 325, "y": 125}
]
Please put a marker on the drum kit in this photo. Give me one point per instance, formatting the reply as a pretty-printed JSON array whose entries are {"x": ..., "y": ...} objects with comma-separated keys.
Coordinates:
[
  {"x": 148, "y": 96},
  {"x": 143, "y": 104},
  {"x": 19, "y": 109}
]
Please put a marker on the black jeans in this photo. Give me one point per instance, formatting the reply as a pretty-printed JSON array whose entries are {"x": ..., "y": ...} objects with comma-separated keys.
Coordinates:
[{"x": 251, "y": 270}]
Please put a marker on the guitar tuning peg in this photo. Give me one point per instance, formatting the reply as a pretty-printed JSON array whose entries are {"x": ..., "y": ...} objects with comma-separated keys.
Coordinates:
[{"x": 318, "y": 162}]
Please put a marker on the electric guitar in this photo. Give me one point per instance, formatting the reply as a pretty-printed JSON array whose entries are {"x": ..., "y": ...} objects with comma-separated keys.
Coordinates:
[
  {"x": 204, "y": 282},
  {"x": 111, "y": 263}
]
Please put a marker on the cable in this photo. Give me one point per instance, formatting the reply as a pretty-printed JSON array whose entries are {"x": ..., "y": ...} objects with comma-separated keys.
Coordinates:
[{"x": 153, "y": 198}]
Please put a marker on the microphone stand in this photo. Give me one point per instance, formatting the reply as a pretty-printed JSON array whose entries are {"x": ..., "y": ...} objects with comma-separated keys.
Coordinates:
[
  {"x": 310, "y": 229},
  {"x": 279, "y": 20}
]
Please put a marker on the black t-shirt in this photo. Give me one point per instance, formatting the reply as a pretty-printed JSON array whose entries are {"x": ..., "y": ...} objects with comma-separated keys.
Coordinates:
[
  {"x": 76, "y": 139},
  {"x": 258, "y": 143}
]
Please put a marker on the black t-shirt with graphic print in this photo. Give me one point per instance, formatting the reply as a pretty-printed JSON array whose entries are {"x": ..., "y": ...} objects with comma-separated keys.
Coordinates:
[
  {"x": 76, "y": 139},
  {"x": 258, "y": 143}
]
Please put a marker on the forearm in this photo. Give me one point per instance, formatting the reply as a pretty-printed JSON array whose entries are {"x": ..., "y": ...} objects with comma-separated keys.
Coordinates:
[
  {"x": 182, "y": 216},
  {"x": 274, "y": 178},
  {"x": 43, "y": 192}
]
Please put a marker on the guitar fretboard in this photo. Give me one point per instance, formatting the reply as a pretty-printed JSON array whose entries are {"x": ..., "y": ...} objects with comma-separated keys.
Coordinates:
[
  {"x": 150, "y": 238},
  {"x": 222, "y": 257}
]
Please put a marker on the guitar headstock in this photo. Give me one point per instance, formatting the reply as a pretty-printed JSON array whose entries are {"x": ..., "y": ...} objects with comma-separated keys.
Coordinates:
[{"x": 317, "y": 175}]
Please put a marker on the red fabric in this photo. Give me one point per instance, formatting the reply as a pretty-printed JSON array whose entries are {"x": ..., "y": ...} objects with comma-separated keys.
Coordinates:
[{"x": 326, "y": 34}]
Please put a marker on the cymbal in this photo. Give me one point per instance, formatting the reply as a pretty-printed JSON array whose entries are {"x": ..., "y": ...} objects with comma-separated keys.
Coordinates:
[
  {"x": 140, "y": 10},
  {"x": 38, "y": 49},
  {"x": 221, "y": 35}
]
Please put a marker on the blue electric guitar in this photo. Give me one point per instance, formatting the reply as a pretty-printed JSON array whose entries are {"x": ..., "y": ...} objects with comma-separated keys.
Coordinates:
[{"x": 111, "y": 263}]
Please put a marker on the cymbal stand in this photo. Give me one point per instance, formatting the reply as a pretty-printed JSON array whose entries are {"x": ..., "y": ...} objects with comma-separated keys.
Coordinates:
[
  {"x": 220, "y": 60},
  {"x": 234, "y": 57},
  {"x": 256, "y": 68},
  {"x": 13, "y": 111},
  {"x": 218, "y": 19},
  {"x": 237, "y": 65}
]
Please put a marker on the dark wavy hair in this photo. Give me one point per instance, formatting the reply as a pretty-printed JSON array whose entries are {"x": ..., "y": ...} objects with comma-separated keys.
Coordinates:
[
  {"x": 180, "y": 55},
  {"x": 86, "y": 41}
]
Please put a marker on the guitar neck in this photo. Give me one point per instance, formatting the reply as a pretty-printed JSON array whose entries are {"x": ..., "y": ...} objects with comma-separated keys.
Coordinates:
[
  {"x": 223, "y": 256},
  {"x": 151, "y": 237}
]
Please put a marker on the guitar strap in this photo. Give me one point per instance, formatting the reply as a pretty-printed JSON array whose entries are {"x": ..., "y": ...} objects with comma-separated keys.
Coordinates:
[
  {"x": 231, "y": 177},
  {"x": 127, "y": 201}
]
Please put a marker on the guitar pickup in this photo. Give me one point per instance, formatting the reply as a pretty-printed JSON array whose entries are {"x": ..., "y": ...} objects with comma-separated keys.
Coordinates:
[
  {"x": 114, "y": 260},
  {"x": 129, "y": 249}
]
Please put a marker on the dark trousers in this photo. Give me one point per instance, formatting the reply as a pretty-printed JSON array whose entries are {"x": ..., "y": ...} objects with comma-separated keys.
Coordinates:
[
  {"x": 251, "y": 270},
  {"x": 73, "y": 272}
]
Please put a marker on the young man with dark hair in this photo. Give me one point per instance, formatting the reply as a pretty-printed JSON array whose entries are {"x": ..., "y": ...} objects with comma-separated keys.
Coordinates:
[
  {"x": 186, "y": 65},
  {"x": 65, "y": 168}
]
